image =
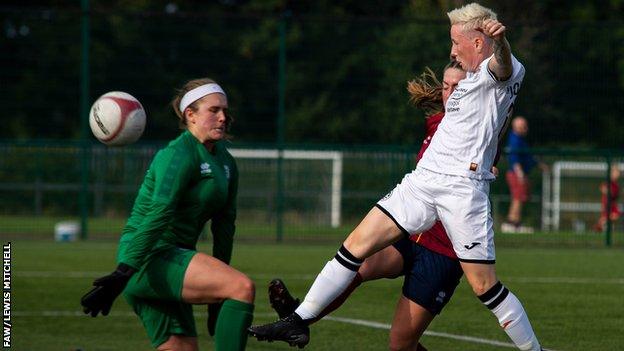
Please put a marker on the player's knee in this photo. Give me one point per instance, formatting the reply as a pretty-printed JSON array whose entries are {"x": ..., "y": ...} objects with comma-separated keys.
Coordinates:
[
  {"x": 481, "y": 281},
  {"x": 401, "y": 344},
  {"x": 480, "y": 287},
  {"x": 366, "y": 270},
  {"x": 179, "y": 343},
  {"x": 243, "y": 289}
]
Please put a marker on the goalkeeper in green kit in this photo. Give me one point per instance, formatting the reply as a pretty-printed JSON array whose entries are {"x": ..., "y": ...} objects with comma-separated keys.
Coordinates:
[{"x": 192, "y": 180}]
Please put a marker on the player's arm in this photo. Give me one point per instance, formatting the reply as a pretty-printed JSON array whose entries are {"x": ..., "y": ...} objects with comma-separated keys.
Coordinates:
[
  {"x": 500, "y": 65},
  {"x": 223, "y": 224},
  {"x": 171, "y": 172}
]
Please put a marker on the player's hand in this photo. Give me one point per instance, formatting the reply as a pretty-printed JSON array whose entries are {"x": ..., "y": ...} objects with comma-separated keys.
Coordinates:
[
  {"x": 493, "y": 29},
  {"x": 106, "y": 289},
  {"x": 213, "y": 315}
]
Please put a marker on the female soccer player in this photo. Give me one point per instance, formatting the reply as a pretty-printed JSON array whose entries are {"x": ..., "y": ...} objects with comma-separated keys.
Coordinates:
[
  {"x": 192, "y": 180},
  {"x": 427, "y": 261},
  {"x": 451, "y": 183},
  {"x": 609, "y": 200}
]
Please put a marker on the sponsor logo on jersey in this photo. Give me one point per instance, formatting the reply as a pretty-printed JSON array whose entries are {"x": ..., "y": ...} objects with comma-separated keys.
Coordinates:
[
  {"x": 457, "y": 94},
  {"x": 227, "y": 171},
  {"x": 204, "y": 169},
  {"x": 473, "y": 244}
]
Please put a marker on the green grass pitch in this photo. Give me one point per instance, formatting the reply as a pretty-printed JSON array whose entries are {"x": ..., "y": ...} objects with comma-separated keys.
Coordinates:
[{"x": 574, "y": 298}]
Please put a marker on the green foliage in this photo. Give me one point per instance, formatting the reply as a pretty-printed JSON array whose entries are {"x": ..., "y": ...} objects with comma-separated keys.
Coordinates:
[{"x": 347, "y": 63}]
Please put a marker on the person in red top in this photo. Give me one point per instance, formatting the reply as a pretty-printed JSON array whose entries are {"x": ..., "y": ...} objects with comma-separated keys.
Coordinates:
[
  {"x": 428, "y": 261},
  {"x": 609, "y": 200}
]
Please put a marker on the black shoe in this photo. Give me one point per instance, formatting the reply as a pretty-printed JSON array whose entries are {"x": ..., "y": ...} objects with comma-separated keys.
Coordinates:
[
  {"x": 282, "y": 302},
  {"x": 291, "y": 329}
]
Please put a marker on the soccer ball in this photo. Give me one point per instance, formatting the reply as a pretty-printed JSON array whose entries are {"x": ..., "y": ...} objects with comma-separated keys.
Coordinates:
[{"x": 117, "y": 118}]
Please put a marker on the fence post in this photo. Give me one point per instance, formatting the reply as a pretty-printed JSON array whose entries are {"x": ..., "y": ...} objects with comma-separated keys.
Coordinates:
[
  {"x": 84, "y": 117},
  {"x": 608, "y": 204},
  {"x": 281, "y": 111}
]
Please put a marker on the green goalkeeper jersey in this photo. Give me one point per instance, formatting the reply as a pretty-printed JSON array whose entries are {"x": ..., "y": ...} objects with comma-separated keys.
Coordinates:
[{"x": 185, "y": 186}]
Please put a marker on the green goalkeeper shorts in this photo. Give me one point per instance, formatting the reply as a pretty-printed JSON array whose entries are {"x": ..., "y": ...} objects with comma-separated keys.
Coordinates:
[{"x": 155, "y": 294}]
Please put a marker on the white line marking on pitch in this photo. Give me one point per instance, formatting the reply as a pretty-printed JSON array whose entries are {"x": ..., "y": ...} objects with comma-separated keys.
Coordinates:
[
  {"x": 385, "y": 326},
  {"x": 353, "y": 321},
  {"x": 530, "y": 280}
]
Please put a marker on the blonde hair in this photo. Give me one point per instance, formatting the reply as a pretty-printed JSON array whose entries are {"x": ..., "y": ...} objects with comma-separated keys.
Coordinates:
[
  {"x": 426, "y": 90},
  {"x": 471, "y": 15},
  {"x": 188, "y": 86}
]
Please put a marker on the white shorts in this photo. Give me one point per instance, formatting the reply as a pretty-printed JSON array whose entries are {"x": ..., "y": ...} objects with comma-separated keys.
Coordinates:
[{"x": 460, "y": 203}]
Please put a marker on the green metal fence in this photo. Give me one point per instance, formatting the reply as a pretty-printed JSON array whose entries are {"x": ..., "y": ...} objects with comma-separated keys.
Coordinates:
[
  {"x": 291, "y": 81},
  {"x": 321, "y": 194}
]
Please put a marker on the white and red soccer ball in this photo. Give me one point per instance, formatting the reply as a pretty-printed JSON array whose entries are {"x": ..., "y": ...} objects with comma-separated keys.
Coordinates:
[{"x": 117, "y": 118}]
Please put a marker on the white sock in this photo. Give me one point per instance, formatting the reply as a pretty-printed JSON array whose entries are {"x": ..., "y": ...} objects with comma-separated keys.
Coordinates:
[
  {"x": 329, "y": 284},
  {"x": 511, "y": 317}
]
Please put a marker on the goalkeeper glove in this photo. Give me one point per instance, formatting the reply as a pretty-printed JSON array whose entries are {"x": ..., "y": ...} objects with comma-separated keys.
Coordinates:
[
  {"x": 213, "y": 315},
  {"x": 106, "y": 289}
]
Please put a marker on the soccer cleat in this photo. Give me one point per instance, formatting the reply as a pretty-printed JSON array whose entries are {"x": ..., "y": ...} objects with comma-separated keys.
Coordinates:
[
  {"x": 282, "y": 302},
  {"x": 291, "y": 329}
]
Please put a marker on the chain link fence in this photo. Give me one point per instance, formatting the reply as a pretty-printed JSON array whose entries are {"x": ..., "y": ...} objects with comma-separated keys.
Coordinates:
[{"x": 321, "y": 195}]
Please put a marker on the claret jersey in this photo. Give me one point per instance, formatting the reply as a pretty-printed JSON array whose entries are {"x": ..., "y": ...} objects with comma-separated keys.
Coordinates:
[
  {"x": 466, "y": 141},
  {"x": 185, "y": 186}
]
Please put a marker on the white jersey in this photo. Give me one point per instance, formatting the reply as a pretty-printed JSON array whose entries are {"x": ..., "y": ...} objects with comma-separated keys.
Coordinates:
[{"x": 466, "y": 141}]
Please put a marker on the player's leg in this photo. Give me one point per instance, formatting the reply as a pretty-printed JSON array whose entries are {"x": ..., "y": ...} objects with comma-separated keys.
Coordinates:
[
  {"x": 515, "y": 206},
  {"x": 503, "y": 304},
  {"x": 170, "y": 325},
  {"x": 375, "y": 232},
  {"x": 154, "y": 294},
  {"x": 209, "y": 280},
  {"x": 525, "y": 194},
  {"x": 386, "y": 263},
  {"x": 430, "y": 281},
  {"x": 615, "y": 213},
  {"x": 409, "y": 323},
  {"x": 408, "y": 208},
  {"x": 600, "y": 224},
  {"x": 466, "y": 214},
  {"x": 179, "y": 343},
  {"x": 337, "y": 275}
]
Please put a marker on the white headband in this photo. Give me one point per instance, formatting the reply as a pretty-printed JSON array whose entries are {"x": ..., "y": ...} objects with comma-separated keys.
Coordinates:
[{"x": 197, "y": 93}]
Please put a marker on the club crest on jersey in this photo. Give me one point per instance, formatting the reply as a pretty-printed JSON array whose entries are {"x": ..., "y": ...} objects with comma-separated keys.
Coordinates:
[
  {"x": 204, "y": 169},
  {"x": 227, "y": 171}
]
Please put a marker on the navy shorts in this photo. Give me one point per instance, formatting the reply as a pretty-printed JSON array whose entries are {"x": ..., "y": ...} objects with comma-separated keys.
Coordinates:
[{"x": 430, "y": 278}]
